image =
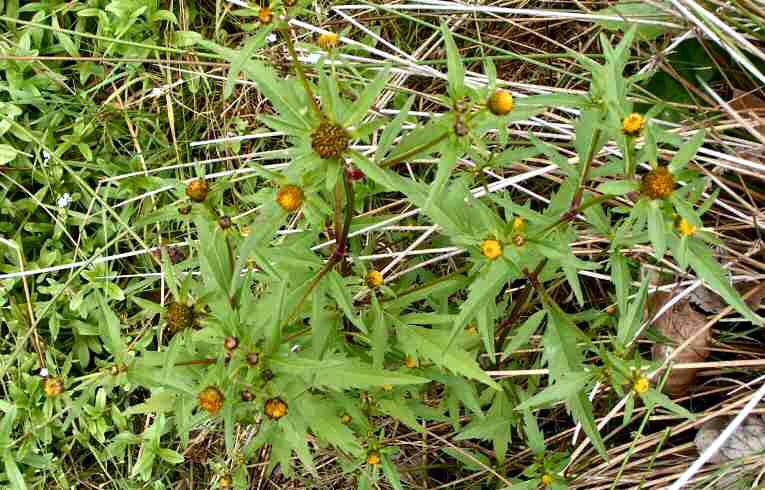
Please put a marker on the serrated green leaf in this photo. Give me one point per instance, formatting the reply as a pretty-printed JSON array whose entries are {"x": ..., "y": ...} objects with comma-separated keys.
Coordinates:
[
  {"x": 242, "y": 57},
  {"x": 12, "y": 472},
  {"x": 391, "y": 472},
  {"x": 525, "y": 331},
  {"x": 399, "y": 410},
  {"x": 619, "y": 187},
  {"x": 564, "y": 388},
  {"x": 657, "y": 229},
  {"x": 707, "y": 268},
  {"x": 485, "y": 288},
  {"x": 653, "y": 398},
  {"x": 435, "y": 345},
  {"x": 367, "y": 98},
  {"x": 109, "y": 329},
  {"x": 379, "y": 334},
  {"x": 687, "y": 151},
  {"x": 456, "y": 75},
  {"x": 342, "y": 373}
]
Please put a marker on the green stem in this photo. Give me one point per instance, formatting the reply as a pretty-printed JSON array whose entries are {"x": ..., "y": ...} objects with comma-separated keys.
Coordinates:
[
  {"x": 299, "y": 69},
  {"x": 586, "y": 170},
  {"x": 340, "y": 248}
]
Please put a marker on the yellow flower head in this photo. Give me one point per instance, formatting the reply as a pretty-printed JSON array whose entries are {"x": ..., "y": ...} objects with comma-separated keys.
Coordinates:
[
  {"x": 211, "y": 400},
  {"x": 519, "y": 225},
  {"x": 500, "y": 103},
  {"x": 226, "y": 482},
  {"x": 491, "y": 248},
  {"x": 375, "y": 279},
  {"x": 328, "y": 40},
  {"x": 410, "y": 362},
  {"x": 387, "y": 387},
  {"x": 686, "y": 228},
  {"x": 197, "y": 190},
  {"x": 633, "y": 124},
  {"x": 276, "y": 408},
  {"x": 373, "y": 458},
  {"x": 266, "y": 15},
  {"x": 53, "y": 387},
  {"x": 547, "y": 479},
  {"x": 641, "y": 386},
  {"x": 471, "y": 330},
  {"x": 290, "y": 197},
  {"x": 659, "y": 183}
]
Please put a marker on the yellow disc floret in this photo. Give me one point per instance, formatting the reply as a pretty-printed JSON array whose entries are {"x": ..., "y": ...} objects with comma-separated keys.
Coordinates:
[
  {"x": 328, "y": 40},
  {"x": 491, "y": 248},
  {"x": 373, "y": 458},
  {"x": 266, "y": 15},
  {"x": 500, "y": 103},
  {"x": 375, "y": 279},
  {"x": 53, "y": 387},
  {"x": 686, "y": 228},
  {"x": 211, "y": 399},
  {"x": 633, "y": 124},
  {"x": 276, "y": 408},
  {"x": 519, "y": 225},
  {"x": 659, "y": 183},
  {"x": 410, "y": 362},
  {"x": 547, "y": 479},
  {"x": 641, "y": 385},
  {"x": 290, "y": 197}
]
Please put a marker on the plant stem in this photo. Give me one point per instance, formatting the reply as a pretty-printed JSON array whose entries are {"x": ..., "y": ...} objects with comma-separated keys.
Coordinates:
[
  {"x": 340, "y": 248},
  {"x": 299, "y": 69},
  {"x": 586, "y": 170}
]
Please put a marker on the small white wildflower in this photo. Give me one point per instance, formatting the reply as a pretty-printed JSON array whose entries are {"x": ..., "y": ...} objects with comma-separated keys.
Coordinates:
[
  {"x": 313, "y": 58},
  {"x": 64, "y": 200},
  {"x": 46, "y": 157},
  {"x": 271, "y": 38},
  {"x": 155, "y": 92},
  {"x": 44, "y": 372}
]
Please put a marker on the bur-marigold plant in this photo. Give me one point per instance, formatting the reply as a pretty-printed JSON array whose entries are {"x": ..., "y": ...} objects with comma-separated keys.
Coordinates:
[{"x": 286, "y": 340}]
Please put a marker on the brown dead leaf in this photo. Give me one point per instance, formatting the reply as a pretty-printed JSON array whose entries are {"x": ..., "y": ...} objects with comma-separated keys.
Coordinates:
[
  {"x": 709, "y": 302},
  {"x": 747, "y": 440},
  {"x": 752, "y": 108},
  {"x": 678, "y": 324}
]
